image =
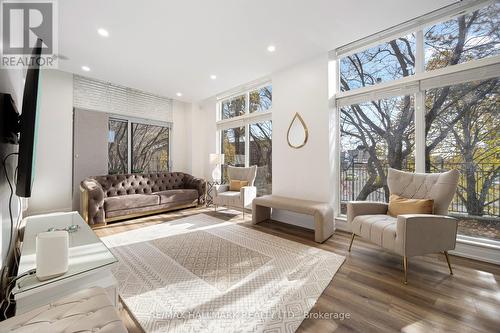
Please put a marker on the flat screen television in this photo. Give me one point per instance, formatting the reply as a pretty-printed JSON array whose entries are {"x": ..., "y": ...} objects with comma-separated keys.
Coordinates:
[{"x": 28, "y": 126}]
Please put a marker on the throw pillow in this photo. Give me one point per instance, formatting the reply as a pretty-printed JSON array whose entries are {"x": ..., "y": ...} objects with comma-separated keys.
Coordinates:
[
  {"x": 236, "y": 185},
  {"x": 400, "y": 205}
]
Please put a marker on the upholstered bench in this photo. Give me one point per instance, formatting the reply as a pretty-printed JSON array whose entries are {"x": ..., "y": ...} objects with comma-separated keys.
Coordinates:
[
  {"x": 322, "y": 212},
  {"x": 88, "y": 310}
]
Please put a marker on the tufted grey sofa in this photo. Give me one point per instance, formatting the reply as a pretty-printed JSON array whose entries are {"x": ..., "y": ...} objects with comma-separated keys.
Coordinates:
[{"x": 114, "y": 197}]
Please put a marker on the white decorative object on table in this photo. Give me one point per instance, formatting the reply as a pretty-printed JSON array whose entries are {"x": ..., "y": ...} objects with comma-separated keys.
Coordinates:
[
  {"x": 51, "y": 254},
  {"x": 89, "y": 263}
]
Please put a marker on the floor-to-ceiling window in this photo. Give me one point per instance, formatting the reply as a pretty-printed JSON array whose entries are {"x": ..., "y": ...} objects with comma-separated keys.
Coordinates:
[
  {"x": 138, "y": 146},
  {"x": 245, "y": 130},
  {"x": 426, "y": 99}
]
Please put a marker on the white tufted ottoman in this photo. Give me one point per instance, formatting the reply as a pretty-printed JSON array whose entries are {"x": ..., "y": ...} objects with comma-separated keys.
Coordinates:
[{"x": 88, "y": 310}]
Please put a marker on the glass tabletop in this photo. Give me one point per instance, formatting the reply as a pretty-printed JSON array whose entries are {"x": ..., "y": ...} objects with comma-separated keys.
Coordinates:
[{"x": 86, "y": 251}]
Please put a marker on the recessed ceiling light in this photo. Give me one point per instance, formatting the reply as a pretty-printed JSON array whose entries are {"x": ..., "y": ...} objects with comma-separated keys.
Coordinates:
[
  {"x": 103, "y": 32},
  {"x": 271, "y": 48},
  {"x": 86, "y": 68},
  {"x": 179, "y": 94},
  {"x": 213, "y": 76}
]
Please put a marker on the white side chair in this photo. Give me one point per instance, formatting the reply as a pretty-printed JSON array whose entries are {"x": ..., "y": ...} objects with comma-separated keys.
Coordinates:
[
  {"x": 239, "y": 199},
  {"x": 410, "y": 234}
]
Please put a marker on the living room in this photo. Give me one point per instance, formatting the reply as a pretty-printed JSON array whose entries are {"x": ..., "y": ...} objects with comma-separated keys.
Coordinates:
[{"x": 260, "y": 166}]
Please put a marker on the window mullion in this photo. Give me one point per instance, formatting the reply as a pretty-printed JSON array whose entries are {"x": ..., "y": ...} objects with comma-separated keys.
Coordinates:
[
  {"x": 169, "y": 150},
  {"x": 419, "y": 113},
  {"x": 420, "y": 131},
  {"x": 129, "y": 146},
  {"x": 247, "y": 130},
  {"x": 247, "y": 103},
  {"x": 335, "y": 113}
]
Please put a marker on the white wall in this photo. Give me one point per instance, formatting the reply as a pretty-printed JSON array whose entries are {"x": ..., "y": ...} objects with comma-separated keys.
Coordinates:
[
  {"x": 203, "y": 137},
  {"x": 52, "y": 186},
  {"x": 193, "y": 137},
  {"x": 301, "y": 173},
  {"x": 181, "y": 159}
]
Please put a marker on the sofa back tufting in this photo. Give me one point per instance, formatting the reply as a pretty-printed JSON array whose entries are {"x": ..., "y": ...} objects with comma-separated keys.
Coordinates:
[{"x": 116, "y": 185}]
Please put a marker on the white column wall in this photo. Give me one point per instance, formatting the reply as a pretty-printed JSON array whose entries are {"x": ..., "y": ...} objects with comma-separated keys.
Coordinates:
[{"x": 301, "y": 173}]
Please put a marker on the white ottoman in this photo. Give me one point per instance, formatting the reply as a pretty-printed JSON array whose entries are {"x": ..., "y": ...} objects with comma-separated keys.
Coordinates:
[{"x": 88, "y": 310}]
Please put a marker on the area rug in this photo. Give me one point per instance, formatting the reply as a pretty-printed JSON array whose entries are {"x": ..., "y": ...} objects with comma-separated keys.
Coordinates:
[{"x": 203, "y": 274}]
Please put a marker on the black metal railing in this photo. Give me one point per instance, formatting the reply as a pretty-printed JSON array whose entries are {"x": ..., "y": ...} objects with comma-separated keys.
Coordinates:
[{"x": 355, "y": 175}]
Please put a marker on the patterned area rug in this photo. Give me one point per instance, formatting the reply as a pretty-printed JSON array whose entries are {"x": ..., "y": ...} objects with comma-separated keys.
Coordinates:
[{"x": 203, "y": 274}]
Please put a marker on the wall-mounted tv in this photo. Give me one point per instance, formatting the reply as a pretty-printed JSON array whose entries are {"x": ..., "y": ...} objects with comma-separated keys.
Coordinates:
[{"x": 28, "y": 126}]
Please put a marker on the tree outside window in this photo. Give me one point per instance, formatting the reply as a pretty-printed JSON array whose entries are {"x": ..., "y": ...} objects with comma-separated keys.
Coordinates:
[
  {"x": 461, "y": 121},
  {"x": 150, "y": 148},
  {"x": 117, "y": 147}
]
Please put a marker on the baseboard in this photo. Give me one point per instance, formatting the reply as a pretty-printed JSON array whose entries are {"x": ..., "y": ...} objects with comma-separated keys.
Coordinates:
[
  {"x": 48, "y": 211},
  {"x": 488, "y": 251}
]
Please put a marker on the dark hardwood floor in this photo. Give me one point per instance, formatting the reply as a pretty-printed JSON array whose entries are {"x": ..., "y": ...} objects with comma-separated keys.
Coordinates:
[{"x": 367, "y": 291}]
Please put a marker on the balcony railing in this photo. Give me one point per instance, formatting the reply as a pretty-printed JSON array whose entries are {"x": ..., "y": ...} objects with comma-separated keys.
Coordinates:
[{"x": 355, "y": 175}]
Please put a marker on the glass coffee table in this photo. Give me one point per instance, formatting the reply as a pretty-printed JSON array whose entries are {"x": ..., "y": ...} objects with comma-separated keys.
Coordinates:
[{"x": 89, "y": 263}]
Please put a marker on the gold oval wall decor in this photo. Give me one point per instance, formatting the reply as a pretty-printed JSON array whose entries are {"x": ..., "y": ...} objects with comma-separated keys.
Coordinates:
[{"x": 297, "y": 133}]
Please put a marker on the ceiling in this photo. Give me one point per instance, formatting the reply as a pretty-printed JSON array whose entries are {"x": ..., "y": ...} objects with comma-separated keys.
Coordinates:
[{"x": 166, "y": 46}]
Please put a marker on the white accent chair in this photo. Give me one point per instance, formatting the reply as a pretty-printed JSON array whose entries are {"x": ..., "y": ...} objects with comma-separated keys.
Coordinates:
[
  {"x": 238, "y": 199},
  {"x": 410, "y": 234}
]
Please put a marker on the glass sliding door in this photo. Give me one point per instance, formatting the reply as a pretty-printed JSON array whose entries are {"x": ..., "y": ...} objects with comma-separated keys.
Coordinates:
[
  {"x": 117, "y": 146},
  {"x": 150, "y": 148},
  {"x": 145, "y": 149}
]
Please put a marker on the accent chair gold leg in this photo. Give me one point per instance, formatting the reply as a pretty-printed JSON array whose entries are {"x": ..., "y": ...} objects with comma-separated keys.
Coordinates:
[
  {"x": 405, "y": 265},
  {"x": 352, "y": 239},
  {"x": 448, "y": 261}
]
